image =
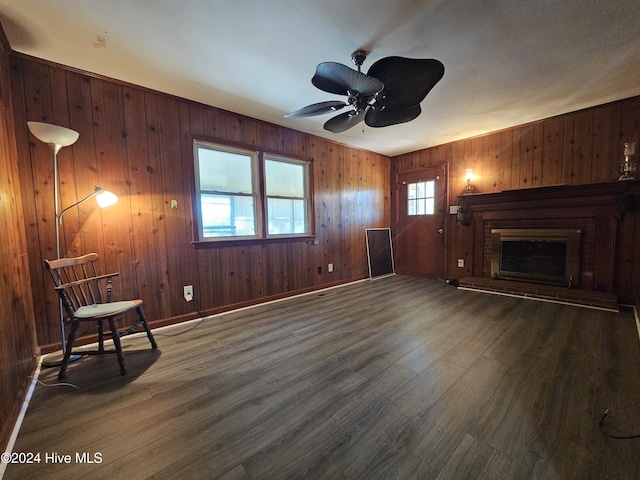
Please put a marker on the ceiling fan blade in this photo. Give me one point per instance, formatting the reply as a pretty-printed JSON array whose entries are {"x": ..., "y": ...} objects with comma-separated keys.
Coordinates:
[
  {"x": 336, "y": 78},
  {"x": 316, "y": 109},
  {"x": 344, "y": 121},
  {"x": 389, "y": 116},
  {"x": 406, "y": 80}
]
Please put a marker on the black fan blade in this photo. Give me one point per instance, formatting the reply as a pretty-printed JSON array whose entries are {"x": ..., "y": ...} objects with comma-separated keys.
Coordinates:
[
  {"x": 389, "y": 116},
  {"x": 344, "y": 121},
  {"x": 316, "y": 109},
  {"x": 339, "y": 79},
  {"x": 406, "y": 80}
]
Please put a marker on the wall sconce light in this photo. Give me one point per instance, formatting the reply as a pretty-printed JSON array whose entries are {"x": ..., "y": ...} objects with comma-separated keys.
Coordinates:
[
  {"x": 468, "y": 176},
  {"x": 628, "y": 168},
  {"x": 461, "y": 218}
]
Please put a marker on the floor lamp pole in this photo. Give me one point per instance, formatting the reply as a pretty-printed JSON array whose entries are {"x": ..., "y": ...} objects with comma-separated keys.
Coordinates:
[{"x": 56, "y": 207}]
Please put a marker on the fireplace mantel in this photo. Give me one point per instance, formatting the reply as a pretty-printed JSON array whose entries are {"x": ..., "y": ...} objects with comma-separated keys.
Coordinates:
[
  {"x": 595, "y": 209},
  {"x": 587, "y": 194}
]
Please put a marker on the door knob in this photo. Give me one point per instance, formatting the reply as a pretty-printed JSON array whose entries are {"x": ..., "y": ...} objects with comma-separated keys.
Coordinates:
[{"x": 440, "y": 231}]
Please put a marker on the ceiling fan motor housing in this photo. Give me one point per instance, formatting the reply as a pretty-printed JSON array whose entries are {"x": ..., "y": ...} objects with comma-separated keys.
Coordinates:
[{"x": 358, "y": 57}]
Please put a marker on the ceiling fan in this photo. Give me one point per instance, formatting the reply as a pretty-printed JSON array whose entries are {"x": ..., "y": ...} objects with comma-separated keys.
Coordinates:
[{"x": 390, "y": 92}]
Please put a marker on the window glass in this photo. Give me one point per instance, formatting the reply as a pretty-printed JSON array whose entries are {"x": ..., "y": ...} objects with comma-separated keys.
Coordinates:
[
  {"x": 284, "y": 178},
  {"x": 420, "y": 198},
  {"x": 225, "y": 171}
]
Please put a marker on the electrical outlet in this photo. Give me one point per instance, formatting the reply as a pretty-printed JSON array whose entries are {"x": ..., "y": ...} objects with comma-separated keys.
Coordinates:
[
  {"x": 188, "y": 292},
  {"x": 330, "y": 268},
  {"x": 461, "y": 262}
]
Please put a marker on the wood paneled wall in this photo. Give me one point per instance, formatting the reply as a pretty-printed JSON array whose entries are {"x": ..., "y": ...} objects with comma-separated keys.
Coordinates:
[
  {"x": 18, "y": 349},
  {"x": 138, "y": 144},
  {"x": 583, "y": 147}
]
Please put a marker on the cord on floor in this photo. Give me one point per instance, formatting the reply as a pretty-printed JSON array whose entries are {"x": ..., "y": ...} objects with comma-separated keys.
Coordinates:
[
  {"x": 617, "y": 437},
  {"x": 59, "y": 384},
  {"x": 198, "y": 310}
]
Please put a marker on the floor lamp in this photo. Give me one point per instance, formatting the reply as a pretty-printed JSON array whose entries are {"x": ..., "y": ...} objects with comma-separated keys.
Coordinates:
[{"x": 57, "y": 137}]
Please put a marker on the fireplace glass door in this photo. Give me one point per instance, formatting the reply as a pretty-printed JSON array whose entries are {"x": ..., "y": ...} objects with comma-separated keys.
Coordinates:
[{"x": 548, "y": 256}]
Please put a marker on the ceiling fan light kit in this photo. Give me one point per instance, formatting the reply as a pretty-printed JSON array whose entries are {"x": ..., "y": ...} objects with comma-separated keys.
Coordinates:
[{"x": 388, "y": 94}]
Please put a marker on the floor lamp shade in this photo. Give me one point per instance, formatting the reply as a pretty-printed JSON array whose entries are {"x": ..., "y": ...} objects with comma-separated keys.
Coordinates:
[{"x": 53, "y": 135}]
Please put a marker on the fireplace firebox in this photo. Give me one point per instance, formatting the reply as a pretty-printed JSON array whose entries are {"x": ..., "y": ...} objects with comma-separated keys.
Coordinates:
[{"x": 548, "y": 256}]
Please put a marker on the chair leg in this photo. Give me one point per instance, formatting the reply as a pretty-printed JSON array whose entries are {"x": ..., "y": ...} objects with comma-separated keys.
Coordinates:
[
  {"x": 116, "y": 343},
  {"x": 100, "y": 336},
  {"x": 67, "y": 354},
  {"x": 143, "y": 319}
]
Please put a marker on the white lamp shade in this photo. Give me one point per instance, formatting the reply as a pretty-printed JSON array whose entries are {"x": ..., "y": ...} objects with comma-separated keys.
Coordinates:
[
  {"x": 106, "y": 199},
  {"x": 53, "y": 134}
]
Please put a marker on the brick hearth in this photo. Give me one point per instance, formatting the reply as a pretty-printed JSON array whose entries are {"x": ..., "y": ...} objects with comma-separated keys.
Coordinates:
[{"x": 575, "y": 296}]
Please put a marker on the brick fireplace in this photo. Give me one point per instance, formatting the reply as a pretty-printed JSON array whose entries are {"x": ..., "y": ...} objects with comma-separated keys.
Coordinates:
[{"x": 541, "y": 226}]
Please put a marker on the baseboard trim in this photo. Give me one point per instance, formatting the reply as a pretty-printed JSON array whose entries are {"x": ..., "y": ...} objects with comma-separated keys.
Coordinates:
[
  {"x": 538, "y": 299},
  {"x": 17, "y": 424}
]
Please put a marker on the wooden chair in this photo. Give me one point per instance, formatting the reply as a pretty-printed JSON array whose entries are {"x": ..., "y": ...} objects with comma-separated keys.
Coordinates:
[{"x": 81, "y": 291}]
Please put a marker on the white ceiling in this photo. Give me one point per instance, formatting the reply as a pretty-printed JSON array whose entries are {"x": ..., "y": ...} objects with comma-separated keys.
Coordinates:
[{"x": 507, "y": 62}]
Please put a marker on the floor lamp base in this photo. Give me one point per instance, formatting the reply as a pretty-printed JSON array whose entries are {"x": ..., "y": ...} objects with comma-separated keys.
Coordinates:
[{"x": 55, "y": 359}]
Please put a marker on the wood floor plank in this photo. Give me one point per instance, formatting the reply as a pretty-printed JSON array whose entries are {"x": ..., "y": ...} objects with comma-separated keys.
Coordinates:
[
  {"x": 398, "y": 378},
  {"x": 422, "y": 392},
  {"x": 438, "y": 431}
]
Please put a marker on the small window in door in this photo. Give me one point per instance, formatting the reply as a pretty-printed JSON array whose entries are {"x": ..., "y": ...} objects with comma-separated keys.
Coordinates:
[{"x": 420, "y": 198}]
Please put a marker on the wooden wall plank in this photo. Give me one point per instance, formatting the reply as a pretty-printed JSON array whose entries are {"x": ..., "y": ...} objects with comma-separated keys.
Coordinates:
[
  {"x": 538, "y": 154},
  {"x": 527, "y": 142},
  {"x": 505, "y": 161},
  {"x": 583, "y": 146},
  {"x": 491, "y": 163},
  {"x": 141, "y": 204},
  {"x": 457, "y": 172},
  {"x": 516, "y": 158},
  {"x": 568, "y": 174},
  {"x": 553, "y": 136},
  {"x": 158, "y": 206},
  {"x": 476, "y": 163}
]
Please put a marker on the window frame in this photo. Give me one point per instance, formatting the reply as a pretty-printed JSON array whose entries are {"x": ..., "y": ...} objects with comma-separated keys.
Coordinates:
[
  {"x": 259, "y": 195},
  {"x": 306, "y": 198}
]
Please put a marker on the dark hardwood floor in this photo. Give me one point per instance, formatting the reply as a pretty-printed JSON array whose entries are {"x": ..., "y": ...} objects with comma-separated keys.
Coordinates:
[{"x": 399, "y": 378}]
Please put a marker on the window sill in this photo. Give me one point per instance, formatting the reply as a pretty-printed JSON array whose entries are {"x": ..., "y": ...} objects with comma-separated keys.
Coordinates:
[{"x": 251, "y": 241}]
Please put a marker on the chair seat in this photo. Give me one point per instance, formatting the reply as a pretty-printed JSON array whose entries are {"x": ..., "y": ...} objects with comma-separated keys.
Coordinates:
[{"x": 105, "y": 310}]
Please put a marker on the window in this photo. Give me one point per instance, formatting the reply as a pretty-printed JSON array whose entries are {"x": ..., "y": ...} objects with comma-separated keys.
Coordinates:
[
  {"x": 229, "y": 182},
  {"x": 420, "y": 198},
  {"x": 225, "y": 181},
  {"x": 286, "y": 189}
]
